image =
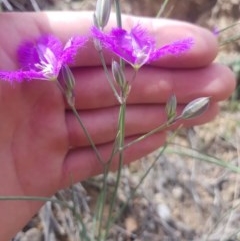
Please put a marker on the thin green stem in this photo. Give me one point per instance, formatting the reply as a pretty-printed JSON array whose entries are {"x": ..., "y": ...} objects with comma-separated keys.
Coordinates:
[
  {"x": 191, "y": 152},
  {"x": 118, "y": 13},
  {"x": 99, "y": 157},
  {"x": 109, "y": 79},
  {"x": 228, "y": 27},
  {"x": 103, "y": 194},
  {"x": 30, "y": 198},
  {"x": 108, "y": 164},
  {"x": 162, "y": 9},
  {"x": 154, "y": 131},
  {"x": 47, "y": 199},
  {"x": 229, "y": 40},
  {"x": 72, "y": 106},
  {"x": 120, "y": 164},
  {"x": 119, "y": 24},
  {"x": 102, "y": 201},
  {"x": 140, "y": 182}
]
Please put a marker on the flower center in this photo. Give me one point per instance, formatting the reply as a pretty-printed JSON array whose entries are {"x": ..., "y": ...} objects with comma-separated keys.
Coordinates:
[
  {"x": 140, "y": 51},
  {"x": 48, "y": 62}
]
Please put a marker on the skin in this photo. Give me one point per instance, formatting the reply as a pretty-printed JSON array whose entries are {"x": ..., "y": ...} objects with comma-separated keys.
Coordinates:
[{"x": 37, "y": 128}]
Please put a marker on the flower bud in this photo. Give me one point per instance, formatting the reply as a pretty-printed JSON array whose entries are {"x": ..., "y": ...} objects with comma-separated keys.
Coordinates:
[
  {"x": 67, "y": 84},
  {"x": 120, "y": 79},
  {"x": 103, "y": 10},
  {"x": 195, "y": 108},
  {"x": 171, "y": 107},
  {"x": 118, "y": 74}
]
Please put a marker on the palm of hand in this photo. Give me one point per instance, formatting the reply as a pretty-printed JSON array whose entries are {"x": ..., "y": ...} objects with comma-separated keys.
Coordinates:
[{"x": 34, "y": 139}]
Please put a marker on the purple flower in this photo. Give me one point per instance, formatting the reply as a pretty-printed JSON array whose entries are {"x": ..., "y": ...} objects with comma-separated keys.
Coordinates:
[
  {"x": 137, "y": 47},
  {"x": 215, "y": 31},
  {"x": 43, "y": 59}
]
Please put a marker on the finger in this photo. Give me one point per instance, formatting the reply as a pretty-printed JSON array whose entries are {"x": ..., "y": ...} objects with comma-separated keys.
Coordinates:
[
  {"x": 81, "y": 163},
  {"x": 66, "y": 24},
  {"x": 102, "y": 124},
  {"x": 164, "y": 31},
  {"x": 154, "y": 85}
]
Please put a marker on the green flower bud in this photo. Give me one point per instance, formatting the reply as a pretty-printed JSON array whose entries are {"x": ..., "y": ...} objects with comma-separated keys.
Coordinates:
[
  {"x": 118, "y": 74},
  {"x": 120, "y": 79},
  {"x": 171, "y": 107},
  {"x": 195, "y": 108},
  {"x": 67, "y": 84},
  {"x": 103, "y": 10}
]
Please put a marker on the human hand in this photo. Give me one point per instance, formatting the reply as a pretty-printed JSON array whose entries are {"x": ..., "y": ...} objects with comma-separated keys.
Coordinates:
[{"x": 42, "y": 147}]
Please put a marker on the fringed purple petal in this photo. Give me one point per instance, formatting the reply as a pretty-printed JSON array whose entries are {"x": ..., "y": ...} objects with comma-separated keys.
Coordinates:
[
  {"x": 175, "y": 48},
  {"x": 122, "y": 43},
  {"x": 137, "y": 47},
  {"x": 142, "y": 37},
  {"x": 134, "y": 46},
  {"x": 28, "y": 52},
  {"x": 114, "y": 42},
  {"x": 71, "y": 48},
  {"x": 104, "y": 38},
  {"x": 53, "y": 43},
  {"x": 43, "y": 59},
  {"x": 20, "y": 76},
  {"x": 27, "y": 55}
]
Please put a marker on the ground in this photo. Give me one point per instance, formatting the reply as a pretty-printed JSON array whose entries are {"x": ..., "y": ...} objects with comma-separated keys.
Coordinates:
[{"x": 187, "y": 195}]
